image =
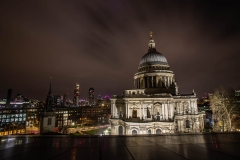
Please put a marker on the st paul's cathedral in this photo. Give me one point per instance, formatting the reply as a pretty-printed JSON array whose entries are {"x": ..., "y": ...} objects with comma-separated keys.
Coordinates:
[{"x": 155, "y": 106}]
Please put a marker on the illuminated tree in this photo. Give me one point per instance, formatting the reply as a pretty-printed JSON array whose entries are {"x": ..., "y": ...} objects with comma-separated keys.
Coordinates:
[{"x": 223, "y": 108}]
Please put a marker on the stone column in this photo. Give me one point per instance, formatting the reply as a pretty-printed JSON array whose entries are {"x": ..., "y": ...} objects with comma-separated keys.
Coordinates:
[
  {"x": 166, "y": 110},
  {"x": 126, "y": 109},
  {"x": 160, "y": 81},
  {"x": 136, "y": 83},
  {"x": 140, "y": 110},
  {"x": 152, "y": 81},
  {"x": 182, "y": 125},
  {"x": 189, "y": 106},
  {"x": 143, "y": 82},
  {"x": 163, "y": 113},
  {"x": 178, "y": 108},
  {"x": 181, "y": 107},
  {"x": 139, "y": 85},
  {"x": 160, "y": 111},
  {"x": 195, "y": 106},
  {"x": 171, "y": 110},
  {"x": 112, "y": 109},
  {"x": 152, "y": 109},
  {"x": 165, "y": 80},
  {"x": 179, "y": 125}
]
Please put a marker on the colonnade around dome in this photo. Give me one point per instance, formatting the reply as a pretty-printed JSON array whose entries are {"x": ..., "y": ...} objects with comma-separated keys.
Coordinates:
[{"x": 156, "y": 81}]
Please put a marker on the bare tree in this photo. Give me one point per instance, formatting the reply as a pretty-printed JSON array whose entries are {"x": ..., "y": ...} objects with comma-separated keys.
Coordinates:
[{"x": 223, "y": 108}]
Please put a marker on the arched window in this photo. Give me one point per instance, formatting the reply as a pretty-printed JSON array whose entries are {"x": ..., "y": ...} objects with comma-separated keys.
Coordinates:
[
  {"x": 134, "y": 132},
  {"x": 120, "y": 130},
  {"x": 158, "y": 131},
  {"x": 149, "y": 131}
]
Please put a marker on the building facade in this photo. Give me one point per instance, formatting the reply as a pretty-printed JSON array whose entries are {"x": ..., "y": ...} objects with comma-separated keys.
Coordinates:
[
  {"x": 95, "y": 114},
  {"x": 155, "y": 106}
]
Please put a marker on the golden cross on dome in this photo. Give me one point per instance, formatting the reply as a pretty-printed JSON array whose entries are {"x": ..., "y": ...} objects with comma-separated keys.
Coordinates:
[{"x": 150, "y": 33}]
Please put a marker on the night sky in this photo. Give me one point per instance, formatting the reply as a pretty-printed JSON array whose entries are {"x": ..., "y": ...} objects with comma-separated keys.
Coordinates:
[{"x": 99, "y": 44}]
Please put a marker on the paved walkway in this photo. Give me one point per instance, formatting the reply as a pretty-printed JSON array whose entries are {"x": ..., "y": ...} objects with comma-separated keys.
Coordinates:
[{"x": 170, "y": 147}]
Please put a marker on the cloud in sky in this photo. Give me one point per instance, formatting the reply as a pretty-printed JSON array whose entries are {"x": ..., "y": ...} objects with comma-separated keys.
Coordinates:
[{"x": 99, "y": 44}]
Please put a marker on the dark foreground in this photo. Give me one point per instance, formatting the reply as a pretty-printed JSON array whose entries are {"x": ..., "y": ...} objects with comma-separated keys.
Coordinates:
[{"x": 202, "y": 146}]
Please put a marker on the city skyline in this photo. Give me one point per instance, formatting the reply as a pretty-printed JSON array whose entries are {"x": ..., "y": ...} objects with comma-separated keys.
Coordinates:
[{"x": 99, "y": 45}]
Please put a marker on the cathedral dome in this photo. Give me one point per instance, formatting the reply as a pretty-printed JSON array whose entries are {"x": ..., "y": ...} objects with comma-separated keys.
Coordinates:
[{"x": 152, "y": 57}]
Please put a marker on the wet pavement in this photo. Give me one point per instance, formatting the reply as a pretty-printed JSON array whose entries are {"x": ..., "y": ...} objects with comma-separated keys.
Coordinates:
[{"x": 170, "y": 147}]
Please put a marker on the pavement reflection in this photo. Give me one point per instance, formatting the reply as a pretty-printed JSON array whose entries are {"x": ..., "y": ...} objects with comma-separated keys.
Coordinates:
[{"x": 200, "y": 146}]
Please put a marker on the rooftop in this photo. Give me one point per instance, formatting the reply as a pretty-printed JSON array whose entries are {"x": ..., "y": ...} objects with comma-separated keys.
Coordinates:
[{"x": 185, "y": 146}]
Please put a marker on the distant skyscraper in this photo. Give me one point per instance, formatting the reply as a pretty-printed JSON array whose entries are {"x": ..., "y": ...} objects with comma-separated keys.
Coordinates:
[
  {"x": 9, "y": 96},
  {"x": 91, "y": 96},
  {"x": 65, "y": 99},
  {"x": 76, "y": 95}
]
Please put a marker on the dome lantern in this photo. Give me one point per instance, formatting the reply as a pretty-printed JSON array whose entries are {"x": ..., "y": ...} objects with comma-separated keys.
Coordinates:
[
  {"x": 151, "y": 43},
  {"x": 152, "y": 57}
]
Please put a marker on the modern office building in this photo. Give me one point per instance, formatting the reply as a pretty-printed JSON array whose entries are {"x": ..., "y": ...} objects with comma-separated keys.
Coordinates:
[
  {"x": 76, "y": 94},
  {"x": 13, "y": 121},
  {"x": 67, "y": 116},
  {"x": 95, "y": 114}
]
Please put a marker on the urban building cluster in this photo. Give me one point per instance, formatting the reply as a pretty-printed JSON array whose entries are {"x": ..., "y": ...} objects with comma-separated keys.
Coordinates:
[
  {"x": 22, "y": 115},
  {"x": 154, "y": 106}
]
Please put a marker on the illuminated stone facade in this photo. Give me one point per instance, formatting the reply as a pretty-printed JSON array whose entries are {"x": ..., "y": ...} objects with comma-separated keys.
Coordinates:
[{"x": 155, "y": 106}]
